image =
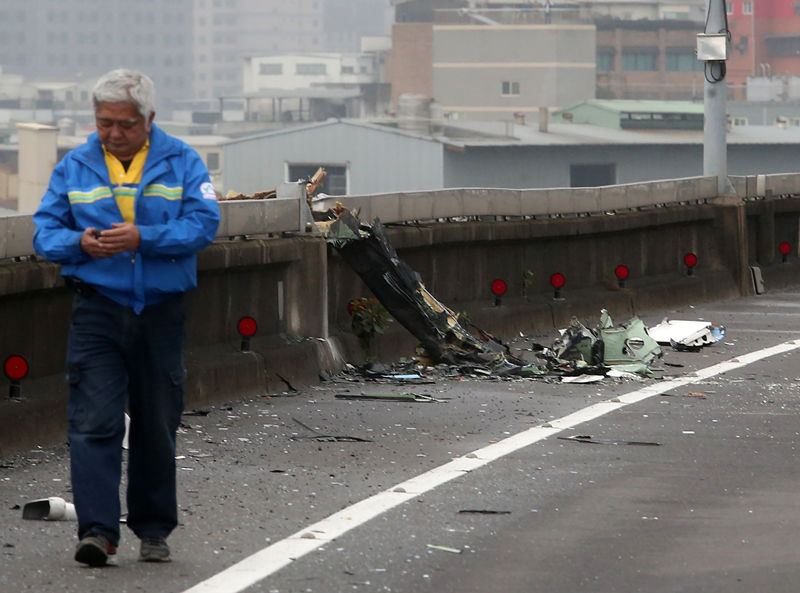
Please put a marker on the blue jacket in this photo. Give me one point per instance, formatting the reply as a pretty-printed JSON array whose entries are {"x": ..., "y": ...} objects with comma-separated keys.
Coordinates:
[{"x": 176, "y": 214}]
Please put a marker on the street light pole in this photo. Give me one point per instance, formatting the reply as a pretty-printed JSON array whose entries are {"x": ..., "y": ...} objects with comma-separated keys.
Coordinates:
[{"x": 713, "y": 50}]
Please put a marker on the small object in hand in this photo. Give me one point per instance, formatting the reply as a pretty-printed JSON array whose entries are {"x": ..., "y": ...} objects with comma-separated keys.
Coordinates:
[{"x": 96, "y": 233}]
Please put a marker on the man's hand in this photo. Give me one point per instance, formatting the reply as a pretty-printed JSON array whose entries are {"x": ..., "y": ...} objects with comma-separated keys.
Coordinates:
[{"x": 121, "y": 237}]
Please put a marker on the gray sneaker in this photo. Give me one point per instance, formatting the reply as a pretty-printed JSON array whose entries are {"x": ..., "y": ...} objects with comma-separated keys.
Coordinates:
[
  {"x": 94, "y": 550},
  {"x": 154, "y": 549}
]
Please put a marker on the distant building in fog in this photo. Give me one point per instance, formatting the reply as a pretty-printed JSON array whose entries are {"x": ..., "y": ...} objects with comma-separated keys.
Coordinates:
[
  {"x": 193, "y": 49},
  {"x": 227, "y": 31},
  {"x": 78, "y": 40}
]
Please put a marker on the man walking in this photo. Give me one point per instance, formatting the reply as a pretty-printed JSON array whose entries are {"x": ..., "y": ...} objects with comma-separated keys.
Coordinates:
[{"x": 125, "y": 215}]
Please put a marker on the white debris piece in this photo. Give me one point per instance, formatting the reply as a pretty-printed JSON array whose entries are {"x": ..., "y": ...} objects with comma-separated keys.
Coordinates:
[
  {"x": 686, "y": 333},
  {"x": 49, "y": 509},
  {"x": 582, "y": 379}
]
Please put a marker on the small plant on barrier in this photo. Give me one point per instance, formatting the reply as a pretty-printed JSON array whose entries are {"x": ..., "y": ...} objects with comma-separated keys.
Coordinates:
[
  {"x": 527, "y": 281},
  {"x": 367, "y": 318}
]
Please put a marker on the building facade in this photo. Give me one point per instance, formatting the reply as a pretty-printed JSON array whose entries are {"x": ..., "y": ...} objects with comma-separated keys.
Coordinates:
[
  {"x": 193, "y": 49},
  {"x": 296, "y": 71},
  {"x": 75, "y": 41},
  {"x": 765, "y": 41},
  {"x": 409, "y": 64},
  {"x": 367, "y": 158},
  {"x": 513, "y": 62},
  {"x": 648, "y": 59},
  {"x": 227, "y": 31},
  {"x": 497, "y": 71}
]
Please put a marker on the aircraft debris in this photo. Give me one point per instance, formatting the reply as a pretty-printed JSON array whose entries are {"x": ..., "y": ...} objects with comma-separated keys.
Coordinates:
[
  {"x": 585, "y": 438},
  {"x": 444, "y": 548},
  {"x": 326, "y": 438},
  {"x": 392, "y": 397},
  {"x": 579, "y": 350},
  {"x": 448, "y": 338},
  {"x": 400, "y": 290},
  {"x": 686, "y": 335},
  {"x": 582, "y": 379},
  {"x": 53, "y": 508}
]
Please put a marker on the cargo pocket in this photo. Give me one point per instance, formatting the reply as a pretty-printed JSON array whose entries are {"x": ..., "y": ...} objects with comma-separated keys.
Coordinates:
[
  {"x": 75, "y": 410},
  {"x": 176, "y": 389}
]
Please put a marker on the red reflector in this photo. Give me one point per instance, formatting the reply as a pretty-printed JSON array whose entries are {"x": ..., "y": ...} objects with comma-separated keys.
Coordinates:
[
  {"x": 558, "y": 280},
  {"x": 247, "y": 326},
  {"x": 499, "y": 287},
  {"x": 784, "y": 248},
  {"x": 15, "y": 367},
  {"x": 622, "y": 272},
  {"x": 690, "y": 259}
]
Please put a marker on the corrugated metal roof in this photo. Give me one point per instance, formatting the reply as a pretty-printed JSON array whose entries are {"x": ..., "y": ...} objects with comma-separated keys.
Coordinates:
[
  {"x": 464, "y": 134},
  {"x": 334, "y": 122},
  {"x": 587, "y": 134},
  {"x": 304, "y": 93},
  {"x": 638, "y": 106}
]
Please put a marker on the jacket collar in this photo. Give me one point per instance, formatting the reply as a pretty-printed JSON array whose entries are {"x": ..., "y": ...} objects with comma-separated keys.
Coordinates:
[{"x": 162, "y": 145}]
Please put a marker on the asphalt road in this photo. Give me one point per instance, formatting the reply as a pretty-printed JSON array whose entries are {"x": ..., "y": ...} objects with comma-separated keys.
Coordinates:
[{"x": 709, "y": 505}]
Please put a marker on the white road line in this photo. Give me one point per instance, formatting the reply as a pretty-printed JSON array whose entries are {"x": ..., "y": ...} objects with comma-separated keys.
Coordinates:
[
  {"x": 269, "y": 560},
  {"x": 788, "y": 332}
]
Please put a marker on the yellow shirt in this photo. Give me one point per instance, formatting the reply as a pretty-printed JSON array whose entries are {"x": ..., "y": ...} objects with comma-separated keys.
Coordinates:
[{"x": 125, "y": 184}]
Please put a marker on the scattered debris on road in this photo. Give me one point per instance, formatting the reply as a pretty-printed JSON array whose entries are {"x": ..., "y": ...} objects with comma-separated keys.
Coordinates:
[
  {"x": 444, "y": 548},
  {"x": 326, "y": 438},
  {"x": 393, "y": 397},
  {"x": 53, "y": 508},
  {"x": 445, "y": 339},
  {"x": 585, "y": 438},
  {"x": 686, "y": 335},
  {"x": 579, "y": 350}
]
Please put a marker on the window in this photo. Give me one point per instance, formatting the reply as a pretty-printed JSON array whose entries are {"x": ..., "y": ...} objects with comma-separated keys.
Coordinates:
[
  {"x": 334, "y": 183},
  {"x": 682, "y": 62},
  {"x": 510, "y": 88},
  {"x": 638, "y": 61},
  {"x": 212, "y": 161},
  {"x": 270, "y": 69},
  {"x": 729, "y": 7},
  {"x": 311, "y": 69},
  {"x": 592, "y": 175},
  {"x": 747, "y": 7},
  {"x": 347, "y": 70},
  {"x": 784, "y": 46},
  {"x": 796, "y": 8},
  {"x": 605, "y": 62}
]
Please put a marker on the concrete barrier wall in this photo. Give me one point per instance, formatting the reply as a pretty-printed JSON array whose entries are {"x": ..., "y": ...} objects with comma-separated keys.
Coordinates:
[{"x": 265, "y": 263}]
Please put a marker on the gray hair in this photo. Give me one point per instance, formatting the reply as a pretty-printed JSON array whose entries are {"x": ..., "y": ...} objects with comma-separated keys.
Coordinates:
[{"x": 126, "y": 86}]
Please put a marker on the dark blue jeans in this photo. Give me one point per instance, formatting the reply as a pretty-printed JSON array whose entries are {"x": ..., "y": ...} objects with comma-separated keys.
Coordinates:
[{"x": 116, "y": 360}]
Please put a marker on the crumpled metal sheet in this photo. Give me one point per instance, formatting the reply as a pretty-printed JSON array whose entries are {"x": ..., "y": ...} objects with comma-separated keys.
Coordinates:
[
  {"x": 583, "y": 350},
  {"x": 444, "y": 339},
  {"x": 401, "y": 291}
]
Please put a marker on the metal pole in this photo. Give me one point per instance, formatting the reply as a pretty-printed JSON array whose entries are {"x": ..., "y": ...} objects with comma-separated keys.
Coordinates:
[
  {"x": 715, "y": 105},
  {"x": 753, "y": 37}
]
